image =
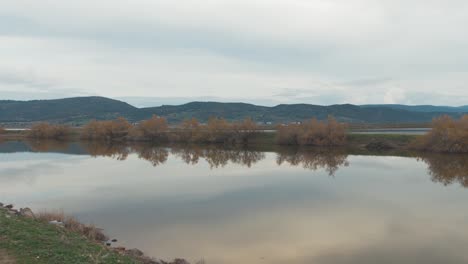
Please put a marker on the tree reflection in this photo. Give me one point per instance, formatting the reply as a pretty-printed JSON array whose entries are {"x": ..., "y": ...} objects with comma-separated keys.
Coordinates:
[
  {"x": 329, "y": 159},
  {"x": 107, "y": 149},
  {"x": 447, "y": 168},
  {"x": 154, "y": 154},
  {"x": 215, "y": 156},
  {"x": 218, "y": 157},
  {"x": 48, "y": 145},
  {"x": 443, "y": 168}
]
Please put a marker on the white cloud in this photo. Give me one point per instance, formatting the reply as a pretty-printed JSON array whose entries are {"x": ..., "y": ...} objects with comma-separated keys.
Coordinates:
[{"x": 333, "y": 51}]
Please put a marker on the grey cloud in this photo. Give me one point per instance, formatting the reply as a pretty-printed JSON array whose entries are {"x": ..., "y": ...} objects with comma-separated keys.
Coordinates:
[
  {"x": 10, "y": 77},
  {"x": 327, "y": 47}
]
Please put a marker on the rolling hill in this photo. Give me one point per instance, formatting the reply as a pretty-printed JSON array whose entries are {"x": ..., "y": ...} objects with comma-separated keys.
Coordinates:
[
  {"x": 63, "y": 110},
  {"x": 423, "y": 108},
  {"x": 79, "y": 110}
]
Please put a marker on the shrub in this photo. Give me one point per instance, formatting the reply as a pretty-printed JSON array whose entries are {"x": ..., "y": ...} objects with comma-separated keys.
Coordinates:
[
  {"x": 152, "y": 129},
  {"x": 189, "y": 131},
  {"x": 117, "y": 129},
  {"x": 314, "y": 133},
  {"x": 244, "y": 130},
  {"x": 48, "y": 131},
  {"x": 446, "y": 135}
]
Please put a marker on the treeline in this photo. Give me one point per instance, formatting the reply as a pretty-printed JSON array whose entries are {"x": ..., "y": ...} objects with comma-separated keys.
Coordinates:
[
  {"x": 216, "y": 130},
  {"x": 447, "y": 135},
  {"x": 156, "y": 129},
  {"x": 314, "y": 133}
]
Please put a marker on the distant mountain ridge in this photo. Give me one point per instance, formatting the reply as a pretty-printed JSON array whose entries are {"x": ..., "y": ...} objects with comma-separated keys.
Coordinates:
[
  {"x": 80, "y": 110},
  {"x": 423, "y": 108}
]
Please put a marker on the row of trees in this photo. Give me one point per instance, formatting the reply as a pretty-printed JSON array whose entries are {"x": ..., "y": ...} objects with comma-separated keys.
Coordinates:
[
  {"x": 447, "y": 135},
  {"x": 313, "y": 132},
  {"x": 156, "y": 129},
  {"x": 216, "y": 130}
]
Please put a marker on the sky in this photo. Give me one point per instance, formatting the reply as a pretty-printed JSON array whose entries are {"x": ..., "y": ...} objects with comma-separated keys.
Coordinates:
[{"x": 258, "y": 51}]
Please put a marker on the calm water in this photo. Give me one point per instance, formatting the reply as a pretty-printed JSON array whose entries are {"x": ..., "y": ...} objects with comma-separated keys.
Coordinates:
[
  {"x": 250, "y": 206},
  {"x": 392, "y": 131}
]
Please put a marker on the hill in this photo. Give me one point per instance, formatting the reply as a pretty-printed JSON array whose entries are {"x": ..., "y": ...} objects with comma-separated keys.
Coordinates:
[
  {"x": 63, "y": 110},
  {"x": 79, "y": 110},
  {"x": 287, "y": 113},
  {"x": 423, "y": 108}
]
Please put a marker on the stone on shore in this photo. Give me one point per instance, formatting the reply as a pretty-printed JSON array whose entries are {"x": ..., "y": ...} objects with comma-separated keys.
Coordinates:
[{"x": 26, "y": 212}]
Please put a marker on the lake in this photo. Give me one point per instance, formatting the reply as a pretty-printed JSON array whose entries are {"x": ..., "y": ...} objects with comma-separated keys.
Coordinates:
[
  {"x": 392, "y": 131},
  {"x": 230, "y": 205}
]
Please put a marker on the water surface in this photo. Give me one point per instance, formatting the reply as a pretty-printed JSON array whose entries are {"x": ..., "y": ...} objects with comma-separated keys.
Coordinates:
[{"x": 228, "y": 205}]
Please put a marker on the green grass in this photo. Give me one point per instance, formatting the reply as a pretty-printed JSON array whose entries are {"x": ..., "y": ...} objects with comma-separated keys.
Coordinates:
[{"x": 32, "y": 241}]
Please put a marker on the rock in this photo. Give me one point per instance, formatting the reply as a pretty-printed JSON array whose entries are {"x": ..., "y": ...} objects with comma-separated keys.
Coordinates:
[
  {"x": 134, "y": 253},
  {"x": 1, "y": 205},
  {"x": 9, "y": 206},
  {"x": 26, "y": 212},
  {"x": 114, "y": 240}
]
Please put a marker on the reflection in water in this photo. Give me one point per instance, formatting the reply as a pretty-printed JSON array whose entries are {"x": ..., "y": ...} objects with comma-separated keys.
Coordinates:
[
  {"x": 155, "y": 155},
  {"x": 217, "y": 157},
  {"x": 313, "y": 160},
  {"x": 447, "y": 169},
  {"x": 105, "y": 149},
  {"x": 48, "y": 145},
  {"x": 386, "y": 209},
  {"x": 443, "y": 168}
]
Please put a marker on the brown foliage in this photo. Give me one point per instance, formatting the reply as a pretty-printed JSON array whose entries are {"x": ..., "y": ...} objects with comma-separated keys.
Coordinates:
[
  {"x": 117, "y": 129},
  {"x": 48, "y": 131},
  {"x": 446, "y": 135},
  {"x": 2, "y": 130},
  {"x": 190, "y": 131},
  {"x": 217, "y": 130},
  {"x": 152, "y": 129},
  {"x": 70, "y": 223},
  {"x": 313, "y": 132}
]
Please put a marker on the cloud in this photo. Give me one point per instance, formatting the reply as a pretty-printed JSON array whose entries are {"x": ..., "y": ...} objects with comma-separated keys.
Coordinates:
[{"x": 361, "y": 50}]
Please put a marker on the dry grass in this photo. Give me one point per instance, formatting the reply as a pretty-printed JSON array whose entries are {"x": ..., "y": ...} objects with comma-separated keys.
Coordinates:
[{"x": 89, "y": 231}]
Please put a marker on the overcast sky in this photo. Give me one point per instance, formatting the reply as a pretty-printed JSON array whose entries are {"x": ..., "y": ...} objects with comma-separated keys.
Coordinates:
[{"x": 264, "y": 51}]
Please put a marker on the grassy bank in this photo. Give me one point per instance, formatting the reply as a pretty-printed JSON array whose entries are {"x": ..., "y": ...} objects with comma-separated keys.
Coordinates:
[{"x": 27, "y": 240}]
